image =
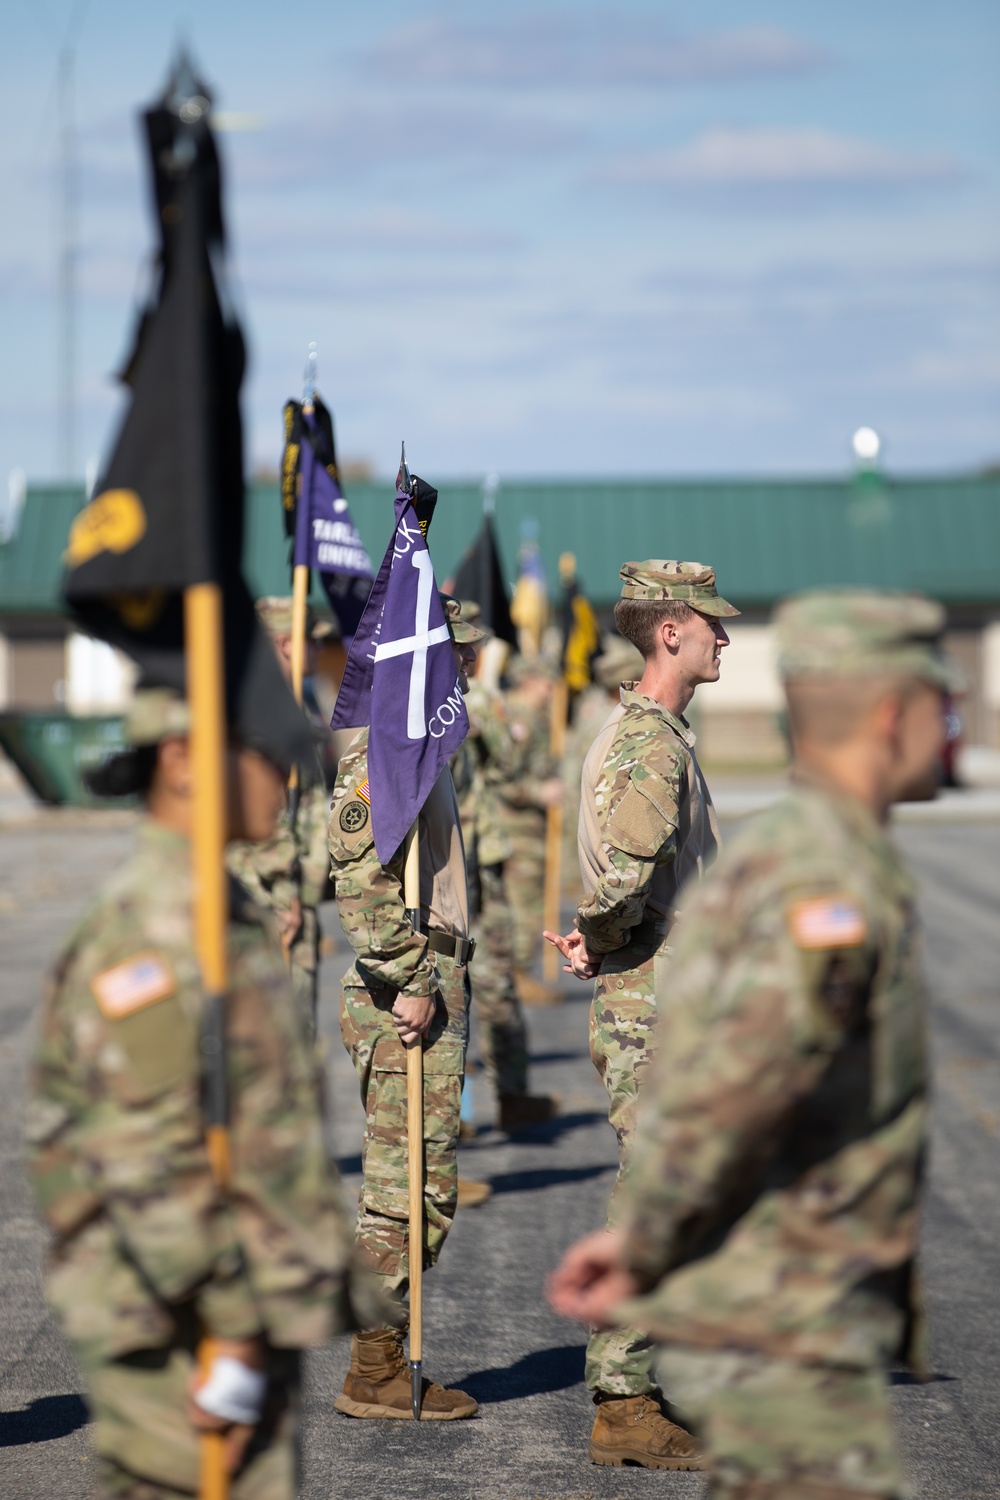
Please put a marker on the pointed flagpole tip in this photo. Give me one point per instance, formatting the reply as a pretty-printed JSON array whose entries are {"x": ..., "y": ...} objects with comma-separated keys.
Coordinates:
[
  {"x": 309, "y": 380},
  {"x": 185, "y": 93},
  {"x": 404, "y": 484}
]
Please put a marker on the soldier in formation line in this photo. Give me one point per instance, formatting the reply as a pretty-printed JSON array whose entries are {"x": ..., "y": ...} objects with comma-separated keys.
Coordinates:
[
  {"x": 646, "y": 826},
  {"x": 490, "y": 761},
  {"x": 770, "y": 1210},
  {"x": 289, "y": 872},
  {"x": 147, "y": 1255},
  {"x": 524, "y": 800},
  {"x": 619, "y": 662},
  {"x": 404, "y": 988}
]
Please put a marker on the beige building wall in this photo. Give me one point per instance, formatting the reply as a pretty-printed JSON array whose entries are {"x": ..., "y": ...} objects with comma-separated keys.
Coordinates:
[{"x": 737, "y": 717}]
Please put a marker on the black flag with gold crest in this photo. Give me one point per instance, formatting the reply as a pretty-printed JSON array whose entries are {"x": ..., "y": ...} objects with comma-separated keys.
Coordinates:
[{"x": 168, "y": 510}]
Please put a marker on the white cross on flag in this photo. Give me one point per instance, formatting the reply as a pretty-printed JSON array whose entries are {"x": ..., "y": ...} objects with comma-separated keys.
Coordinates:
[{"x": 401, "y": 678}]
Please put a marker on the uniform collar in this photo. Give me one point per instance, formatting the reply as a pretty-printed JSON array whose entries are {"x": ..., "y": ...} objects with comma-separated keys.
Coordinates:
[
  {"x": 675, "y": 722},
  {"x": 850, "y": 809},
  {"x": 164, "y": 842}
]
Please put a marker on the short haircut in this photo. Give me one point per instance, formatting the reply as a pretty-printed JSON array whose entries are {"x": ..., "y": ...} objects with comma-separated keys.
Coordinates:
[
  {"x": 825, "y": 710},
  {"x": 638, "y": 620}
]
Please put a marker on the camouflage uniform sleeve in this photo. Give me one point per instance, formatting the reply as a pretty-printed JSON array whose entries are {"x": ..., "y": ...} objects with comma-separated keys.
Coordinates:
[
  {"x": 314, "y": 853},
  {"x": 640, "y": 835},
  {"x": 532, "y": 763},
  {"x": 369, "y": 894},
  {"x": 270, "y": 870},
  {"x": 488, "y": 723},
  {"x": 114, "y": 1131},
  {"x": 284, "y": 1196},
  {"x": 757, "y": 1013}
]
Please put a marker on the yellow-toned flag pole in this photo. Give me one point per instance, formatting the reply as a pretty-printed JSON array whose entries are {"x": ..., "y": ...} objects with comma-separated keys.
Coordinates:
[
  {"x": 415, "y": 1144},
  {"x": 300, "y": 606},
  {"x": 203, "y": 651},
  {"x": 558, "y": 715}
]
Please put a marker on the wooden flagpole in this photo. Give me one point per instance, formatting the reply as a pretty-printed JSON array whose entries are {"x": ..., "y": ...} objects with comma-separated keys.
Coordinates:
[
  {"x": 203, "y": 648},
  {"x": 558, "y": 714},
  {"x": 415, "y": 1143}
]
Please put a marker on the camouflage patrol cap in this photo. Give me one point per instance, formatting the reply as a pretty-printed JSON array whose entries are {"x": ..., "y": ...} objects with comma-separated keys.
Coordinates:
[
  {"x": 687, "y": 582},
  {"x": 275, "y": 614},
  {"x": 155, "y": 714},
  {"x": 463, "y": 631},
  {"x": 470, "y": 612},
  {"x": 619, "y": 662},
  {"x": 858, "y": 633}
]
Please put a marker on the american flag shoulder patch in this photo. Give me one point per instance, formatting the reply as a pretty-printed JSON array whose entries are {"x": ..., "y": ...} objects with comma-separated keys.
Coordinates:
[
  {"x": 364, "y": 793},
  {"x": 139, "y": 981},
  {"x": 827, "y": 922}
]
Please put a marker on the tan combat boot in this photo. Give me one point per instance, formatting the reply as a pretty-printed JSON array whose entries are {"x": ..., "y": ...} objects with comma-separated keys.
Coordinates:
[
  {"x": 530, "y": 991},
  {"x": 378, "y": 1383},
  {"x": 524, "y": 1111},
  {"x": 633, "y": 1430},
  {"x": 472, "y": 1193}
]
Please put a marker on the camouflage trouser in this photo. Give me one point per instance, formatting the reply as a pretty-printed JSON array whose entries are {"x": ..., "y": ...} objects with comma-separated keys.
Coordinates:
[
  {"x": 380, "y": 1060},
  {"x": 500, "y": 1034},
  {"x": 619, "y": 1361},
  {"x": 147, "y": 1450},
  {"x": 304, "y": 969},
  {"x": 778, "y": 1430},
  {"x": 525, "y": 880}
]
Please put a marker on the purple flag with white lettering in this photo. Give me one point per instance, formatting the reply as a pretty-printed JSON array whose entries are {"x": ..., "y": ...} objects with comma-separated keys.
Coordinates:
[
  {"x": 317, "y": 515},
  {"x": 415, "y": 706}
]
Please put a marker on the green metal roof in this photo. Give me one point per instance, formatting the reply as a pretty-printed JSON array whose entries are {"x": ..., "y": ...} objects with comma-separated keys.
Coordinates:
[{"x": 765, "y": 538}]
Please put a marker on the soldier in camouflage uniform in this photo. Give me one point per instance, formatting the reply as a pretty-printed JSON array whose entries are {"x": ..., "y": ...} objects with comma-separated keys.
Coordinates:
[
  {"x": 524, "y": 799},
  {"x": 147, "y": 1253},
  {"x": 289, "y": 872},
  {"x": 646, "y": 825},
  {"x": 488, "y": 760},
  {"x": 619, "y": 662},
  {"x": 772, "y": 1199},
  {"x": 404, "y": 988}
]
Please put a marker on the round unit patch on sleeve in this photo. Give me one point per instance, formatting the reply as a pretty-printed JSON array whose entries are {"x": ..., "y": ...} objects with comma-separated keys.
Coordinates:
[
  {"x": 827, "y": 922},
  {"x": 353, "y": 816}
]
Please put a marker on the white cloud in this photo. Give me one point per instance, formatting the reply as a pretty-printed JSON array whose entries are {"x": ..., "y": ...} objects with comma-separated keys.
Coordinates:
[
  {"x": 353, "y": 139},
  {"x": 569, "y": 48},
  {"x": 776, "y": 158}
]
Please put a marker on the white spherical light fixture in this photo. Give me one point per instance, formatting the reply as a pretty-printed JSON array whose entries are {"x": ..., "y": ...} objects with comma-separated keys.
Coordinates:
[{"x": 866, "y": 444}]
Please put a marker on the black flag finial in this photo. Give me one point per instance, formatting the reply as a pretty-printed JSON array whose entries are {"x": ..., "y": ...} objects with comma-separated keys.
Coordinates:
[
  {"x": 186, "y": 94},
  {"x": 404, "y": 480}
]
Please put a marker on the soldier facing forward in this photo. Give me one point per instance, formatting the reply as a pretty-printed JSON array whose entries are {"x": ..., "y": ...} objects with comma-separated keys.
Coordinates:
[
  {"x": 404, "y": 988},
  {"x": 148, "y": 1254},
  {"x": 646, "y": 825},
  {"x": 771, "y": 1203}
]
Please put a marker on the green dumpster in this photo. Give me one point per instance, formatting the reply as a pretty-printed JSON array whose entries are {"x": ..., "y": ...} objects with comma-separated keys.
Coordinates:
[{"x": 52, "y": 751}]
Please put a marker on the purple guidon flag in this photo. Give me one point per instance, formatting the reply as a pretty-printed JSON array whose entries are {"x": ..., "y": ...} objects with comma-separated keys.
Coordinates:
[
  {"x": 317, "y": 514},
  {"x": 401, "y": 679}
]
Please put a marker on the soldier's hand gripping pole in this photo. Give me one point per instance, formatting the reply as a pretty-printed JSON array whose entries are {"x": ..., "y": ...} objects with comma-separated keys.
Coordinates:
[
  {"x": 415, "y": 1145},
  {"x": 206, "y": 699}
]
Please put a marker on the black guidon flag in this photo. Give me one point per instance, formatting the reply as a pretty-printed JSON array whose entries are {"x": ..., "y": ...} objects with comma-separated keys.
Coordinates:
[
  {"x": 168, "y": 510},
  {"x": 480, "y": 577}
]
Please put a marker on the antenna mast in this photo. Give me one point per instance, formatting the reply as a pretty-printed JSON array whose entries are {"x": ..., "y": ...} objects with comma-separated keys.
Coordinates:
[{"x": 67, "y": 266}]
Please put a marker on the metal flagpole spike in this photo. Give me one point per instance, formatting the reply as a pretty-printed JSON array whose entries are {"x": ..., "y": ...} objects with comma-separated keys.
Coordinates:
[
  {"x": 416, "y": 1381},
  {"x": 404, "y": 480},
  {"x": 309, "y": 379}
]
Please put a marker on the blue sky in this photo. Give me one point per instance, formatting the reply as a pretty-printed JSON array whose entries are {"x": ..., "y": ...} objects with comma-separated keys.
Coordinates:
[{"x": 546, "y": 238}]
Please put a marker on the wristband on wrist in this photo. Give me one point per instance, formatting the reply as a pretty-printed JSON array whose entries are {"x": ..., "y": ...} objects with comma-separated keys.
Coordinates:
[{"x": 232, "y": 1391}]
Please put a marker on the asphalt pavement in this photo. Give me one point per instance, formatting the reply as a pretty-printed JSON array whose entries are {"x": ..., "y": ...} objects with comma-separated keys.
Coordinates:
[{"x": 487, "y": 1327}]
